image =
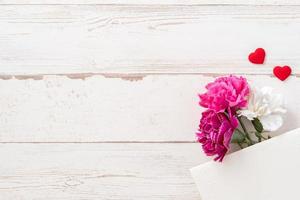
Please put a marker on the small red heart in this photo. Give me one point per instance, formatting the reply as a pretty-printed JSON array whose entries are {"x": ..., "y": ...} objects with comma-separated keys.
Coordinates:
[
  {"x": 258, "y": 56},
  {"x": 282, "y": 72}
]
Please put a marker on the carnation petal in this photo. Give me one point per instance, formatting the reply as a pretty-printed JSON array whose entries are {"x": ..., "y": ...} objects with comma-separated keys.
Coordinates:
[
  {"x": 229, "y": 91},
  {"x": 271, "y": 122},
  {"x": 248, "y": 114},
  {"x": 266, "y": 105}
]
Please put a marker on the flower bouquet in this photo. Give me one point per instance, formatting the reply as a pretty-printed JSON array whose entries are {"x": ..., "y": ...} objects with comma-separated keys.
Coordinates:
[
  {"x": 231, "y": 103},
  {"x": 244, "y": 116}
]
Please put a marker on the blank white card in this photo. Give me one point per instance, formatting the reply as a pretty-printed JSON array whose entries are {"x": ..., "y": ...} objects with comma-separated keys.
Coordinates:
[{"x": 266, "y": 171}]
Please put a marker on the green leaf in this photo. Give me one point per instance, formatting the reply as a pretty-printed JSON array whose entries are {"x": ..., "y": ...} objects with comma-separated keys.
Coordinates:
[
  {"x": 259, "y": 136},
  {"x": 257, "y": 125},
  {"x": 237, "y": 137}
]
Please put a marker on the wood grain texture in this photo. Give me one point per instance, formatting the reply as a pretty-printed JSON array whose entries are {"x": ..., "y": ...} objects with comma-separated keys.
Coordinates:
[
  {"x": 146, "y": 38},
  {"x": 99, "y": 97},
  {"x": 160, "y": 2},
  {"x": 93, "y": 171},
  {"x": 158, "y": 108}
]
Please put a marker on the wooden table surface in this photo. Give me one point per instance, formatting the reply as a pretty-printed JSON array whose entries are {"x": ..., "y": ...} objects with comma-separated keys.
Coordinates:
[{"x": 99, "y": 97}]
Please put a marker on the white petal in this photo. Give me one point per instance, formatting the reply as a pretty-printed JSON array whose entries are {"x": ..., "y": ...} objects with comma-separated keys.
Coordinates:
[
  {"x": 267, "y": 90},
  {"x": 248, "y": 114},
  {"x": 271, "y": 122}
]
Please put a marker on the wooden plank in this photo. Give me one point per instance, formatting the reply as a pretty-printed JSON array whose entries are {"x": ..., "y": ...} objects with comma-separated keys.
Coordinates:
[
  {"x": 57, "y": 39},
  {"x": 156, "y": 108},
  {"x": 151, "y": 2},
  {"x": 93, "y": 171}
]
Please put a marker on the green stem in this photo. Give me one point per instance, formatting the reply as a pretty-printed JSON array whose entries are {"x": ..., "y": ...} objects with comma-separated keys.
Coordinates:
[
  {"x": 245, "y": 130},
  {"x": 240, "y": 145},
  {"x": 261, "y": 136},
  {"x": 246, "y": 140},
  {"x": 259, "y": 139},
  {"x": 265, "y": 137},
  {"x": 238, "y": 130}
]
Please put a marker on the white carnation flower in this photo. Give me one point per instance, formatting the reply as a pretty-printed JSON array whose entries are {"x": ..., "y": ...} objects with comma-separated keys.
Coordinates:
[{"x": 267, "y": 106}]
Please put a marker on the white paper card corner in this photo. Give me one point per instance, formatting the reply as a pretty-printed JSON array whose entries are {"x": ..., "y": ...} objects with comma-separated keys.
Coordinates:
[{"x": 266, "y": 171}]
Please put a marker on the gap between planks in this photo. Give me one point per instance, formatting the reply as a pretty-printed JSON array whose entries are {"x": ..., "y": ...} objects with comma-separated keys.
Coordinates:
[
  {"x": 155, "y": 109},
  {"x": 105, "y": 142},
  {"x": 108, "y": 171},
  {"x": 129, "y": 76},
  {"x": 128, "y": 39}
]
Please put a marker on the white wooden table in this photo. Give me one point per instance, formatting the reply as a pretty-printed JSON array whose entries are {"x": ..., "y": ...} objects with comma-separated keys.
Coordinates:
[{"x": 98, "y": 98}]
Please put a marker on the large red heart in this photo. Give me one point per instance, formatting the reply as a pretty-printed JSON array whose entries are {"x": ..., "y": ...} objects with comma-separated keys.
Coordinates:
[
  {"x": 258, "y": 56},
  {"x": 282, "y": 72}
]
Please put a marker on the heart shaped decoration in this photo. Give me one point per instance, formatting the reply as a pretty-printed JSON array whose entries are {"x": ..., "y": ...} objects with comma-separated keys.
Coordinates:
[
  {"x": 282, "y": 73},
  {"x": 258, "y": 56}
]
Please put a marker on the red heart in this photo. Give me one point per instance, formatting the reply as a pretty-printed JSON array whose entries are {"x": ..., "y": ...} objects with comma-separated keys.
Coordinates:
[
  {"x": 258, "y": 56},
  {"x": 282, "y": 72}
]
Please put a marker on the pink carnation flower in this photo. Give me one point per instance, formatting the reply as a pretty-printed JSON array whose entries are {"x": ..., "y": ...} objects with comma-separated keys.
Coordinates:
[
  {"x": 225, "y": 92},
  {"x": 215, "y": 133}
]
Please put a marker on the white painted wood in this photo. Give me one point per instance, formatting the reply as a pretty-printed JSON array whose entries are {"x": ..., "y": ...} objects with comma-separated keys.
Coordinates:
[
  {"x": 162, "y": 2},
  {"x": 98, "y": 171},
  {"x": 129, "y": 44},
  {"x": 99, "y": 109},
  {"x": 56, "y": 39}
]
